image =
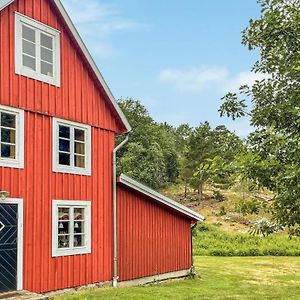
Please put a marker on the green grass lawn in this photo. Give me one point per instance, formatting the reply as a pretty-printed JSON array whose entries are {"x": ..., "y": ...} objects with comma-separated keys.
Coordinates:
[{"x": 221, "y": 278}]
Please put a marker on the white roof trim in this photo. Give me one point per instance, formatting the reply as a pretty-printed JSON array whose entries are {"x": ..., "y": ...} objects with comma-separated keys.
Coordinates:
[
  {"x": 159, "y": 197},
  {"x": 67, "y": 19},
  {"x": 4, "y": 3}
]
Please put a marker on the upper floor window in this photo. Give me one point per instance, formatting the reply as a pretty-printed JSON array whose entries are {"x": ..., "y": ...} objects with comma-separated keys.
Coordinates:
[
  {"x": 37, "y": 49},
  {"x": 11, "y": 137},
  {"x": 71, "y": 147}
]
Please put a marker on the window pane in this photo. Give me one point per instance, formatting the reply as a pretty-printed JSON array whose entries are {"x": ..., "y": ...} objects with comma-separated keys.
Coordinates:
[
  {"x": 8, "y": 136},
  {"x": 79, "y": 135},
  {"x": 64, "y": 241},
  {"x": 46, "y": 69},
  {"x": 63, "y": 227},
  {"x": 47, "y": 55},
  {"x": 64, "y": 131},
  {"x": 28, "y": 48},
  {"x": 79, "y": 161},
  {"x": 46, "y": 41},
  {"x": 8, "y": 151},
  {"x": 8, "y": 120},
  {"x": 29, "y": 62},
  {"x": 79, "y": 226},
  {"x": 79, "y": 148},
  {"x": 64, "y": 145},
  {"x": 78, "y": 240},
  {"x": 28, "y": 33},
  {"x": 63, "y": 213},
  {"x": 64, "y": 159},
  {"x": 78, "y": 213}
]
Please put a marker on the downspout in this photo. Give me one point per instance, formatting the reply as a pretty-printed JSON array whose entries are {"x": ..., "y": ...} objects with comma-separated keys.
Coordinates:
[
  {"x": 116, "y": 277},
  {"x": 192, "y": 252}
]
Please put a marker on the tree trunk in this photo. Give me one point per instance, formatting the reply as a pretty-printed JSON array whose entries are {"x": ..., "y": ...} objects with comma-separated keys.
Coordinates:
[
  {"x": 185, "y": 189},
  {"x": 201, "y": 191}
]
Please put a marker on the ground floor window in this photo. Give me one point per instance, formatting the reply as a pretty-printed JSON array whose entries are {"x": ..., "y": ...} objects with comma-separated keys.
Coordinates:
[{"x": 71, "y": 227}]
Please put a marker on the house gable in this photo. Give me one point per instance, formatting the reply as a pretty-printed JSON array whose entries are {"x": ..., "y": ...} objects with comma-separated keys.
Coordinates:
[{"x": 83, "y": 96}]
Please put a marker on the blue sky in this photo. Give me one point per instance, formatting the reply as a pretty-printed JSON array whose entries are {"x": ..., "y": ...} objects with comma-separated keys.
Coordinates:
[{"x": 177, "y": 57}]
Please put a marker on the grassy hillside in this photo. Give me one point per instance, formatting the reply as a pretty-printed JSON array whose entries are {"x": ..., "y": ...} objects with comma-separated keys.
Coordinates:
[
  {"x": 220, "y": 278},
  {"x": 229, "y": 218},
  {"x": 226, "y": 214}
]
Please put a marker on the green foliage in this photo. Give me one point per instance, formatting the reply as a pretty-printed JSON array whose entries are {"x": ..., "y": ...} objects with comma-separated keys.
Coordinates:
[
  {"x": 274, "y": 153},
  {"x": 159, "y": 154},
  {"x": 248, "y": 206},
  {"x": 210, "y": 240},
  {"x": 222, "y": 211},
  {"x": 210, "y": 155},
  {"x": 150, "y": 155},
  {"x": 218, "y": 196},
  {"x": 264, "y": 227}
]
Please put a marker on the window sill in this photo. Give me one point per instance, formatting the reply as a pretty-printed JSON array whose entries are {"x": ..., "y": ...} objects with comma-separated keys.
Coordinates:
[
  {"x": 40, "y": 77},
  {"x": 11, "y": 164},
  {"x": 69, "y": 252},
  {"x": 71, "y": 170}
]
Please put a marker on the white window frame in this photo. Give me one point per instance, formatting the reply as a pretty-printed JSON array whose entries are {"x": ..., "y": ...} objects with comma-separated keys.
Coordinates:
[
  {"x": 18, "y": 162},
  {"x": 86, "y": 249},
  {"x": 40, "y": 27},
  {"x": 56, "y": 167}
]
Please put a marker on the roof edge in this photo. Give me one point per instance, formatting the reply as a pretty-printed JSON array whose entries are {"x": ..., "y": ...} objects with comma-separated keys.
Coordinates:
[
  {"x": 4, "y": 3},
  {"x": 90, "y": 60},
  {"x": 92, "y": 63},
  {"x": 127, "y": 181}
]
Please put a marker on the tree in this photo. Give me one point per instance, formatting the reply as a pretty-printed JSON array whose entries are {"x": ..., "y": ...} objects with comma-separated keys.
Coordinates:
[
  {"x": 150, "y": 155},
  {"x": 275, "y": 111},
  {"x": 209, "y": 156}
]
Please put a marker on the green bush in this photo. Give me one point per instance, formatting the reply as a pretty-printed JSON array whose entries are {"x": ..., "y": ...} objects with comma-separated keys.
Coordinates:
[
  {"x": 222, "y": 211},
  {"x": 218, "y": 196},
  {"x": 248, "y": 207},
  {"x": 212, "y": 241}
]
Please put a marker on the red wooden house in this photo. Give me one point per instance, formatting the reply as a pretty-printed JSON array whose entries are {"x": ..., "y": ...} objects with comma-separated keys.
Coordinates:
[{"x": 59, "y": 227}]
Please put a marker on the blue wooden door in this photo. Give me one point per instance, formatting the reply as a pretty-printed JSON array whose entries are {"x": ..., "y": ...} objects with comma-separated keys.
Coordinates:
[{"x": 8, "y": 246}]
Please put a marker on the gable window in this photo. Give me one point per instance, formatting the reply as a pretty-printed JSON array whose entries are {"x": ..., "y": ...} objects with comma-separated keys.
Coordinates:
[
  {"x": 11, "y": 137},
  {"x": 71, "y": 147},
  {"x": 37, "y": 49},
  {"x": 71, "y": 227}
]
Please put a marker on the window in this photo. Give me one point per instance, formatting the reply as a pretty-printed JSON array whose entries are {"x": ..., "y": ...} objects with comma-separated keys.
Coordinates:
[
  {"x": 71, "y": 147},
  {"x": 11, "y": 137},
  {"x": 37, "y": 50},
  {"x": 71, "y": 227}
]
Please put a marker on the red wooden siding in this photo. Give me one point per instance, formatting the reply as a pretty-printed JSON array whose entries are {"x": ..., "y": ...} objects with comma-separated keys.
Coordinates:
[
  {"x": 38, "y": 186},
  {"x": 151, "y": 239},
  {"x": 79, "y": 98}
]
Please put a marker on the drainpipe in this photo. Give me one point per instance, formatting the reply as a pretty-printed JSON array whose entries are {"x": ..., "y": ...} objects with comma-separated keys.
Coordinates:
[
  {"x": 116, "y": 277},
  {"x": 192, "y": 254}
]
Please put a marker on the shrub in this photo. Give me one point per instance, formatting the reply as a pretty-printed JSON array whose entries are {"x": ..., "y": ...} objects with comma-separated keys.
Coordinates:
[
  {"x": 222, "y": 211},
  {"x": 248, "y": 207},
  {"x": 264, "y": 227},
  {"x": 211, "y": 240},
  {"x": 218, "y": 196}
]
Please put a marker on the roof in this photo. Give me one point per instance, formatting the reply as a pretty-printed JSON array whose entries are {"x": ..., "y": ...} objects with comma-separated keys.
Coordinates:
[
  {"x": 87, "y": 55},
  {"x": 137, "y": 186}
]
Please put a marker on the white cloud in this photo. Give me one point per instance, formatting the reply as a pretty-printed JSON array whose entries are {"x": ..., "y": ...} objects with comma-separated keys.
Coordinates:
[
  {"x": 243, "y": 78},
  {"x": 192, "y": 79},
  {"x": 197, "y": 79},
  {"x": 96, "y": 22}
]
